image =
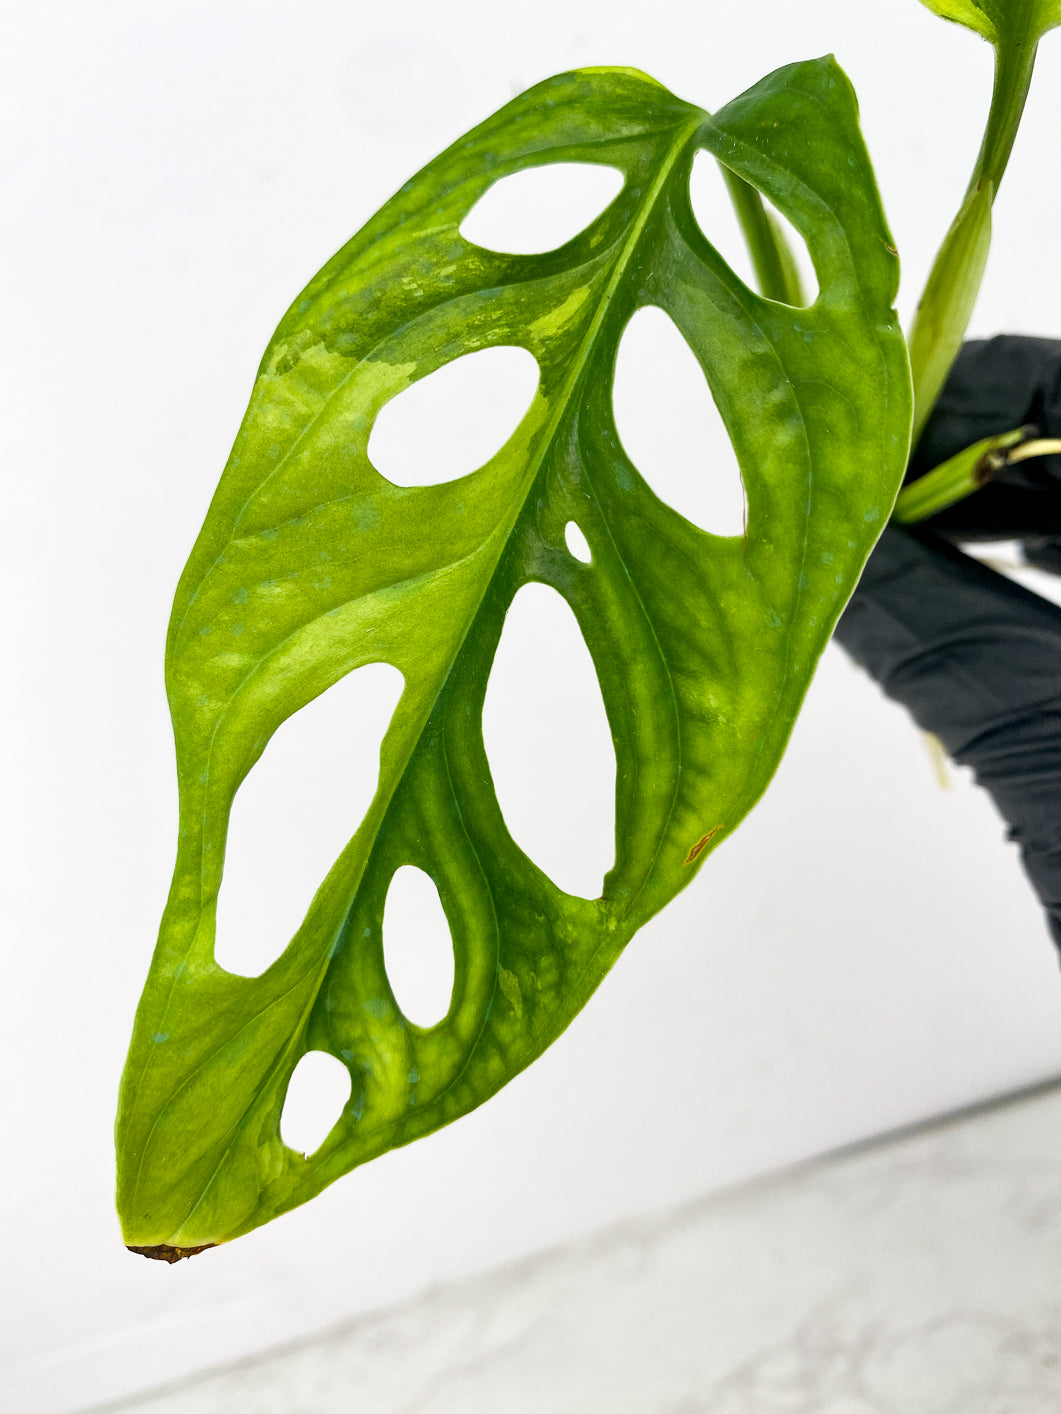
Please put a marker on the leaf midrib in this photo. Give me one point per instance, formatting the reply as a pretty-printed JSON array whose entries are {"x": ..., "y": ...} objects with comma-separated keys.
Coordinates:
[{"x": 562, "y": 401}]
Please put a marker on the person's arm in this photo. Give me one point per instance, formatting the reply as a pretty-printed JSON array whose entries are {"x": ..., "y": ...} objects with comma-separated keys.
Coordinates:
[{"x": 975, "y": 658}]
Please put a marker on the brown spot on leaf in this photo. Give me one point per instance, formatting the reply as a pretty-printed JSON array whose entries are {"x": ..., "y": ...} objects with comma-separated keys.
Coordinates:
[
  {"x": 698, "y": 848},
  {"x": 162, "y": 1253}
]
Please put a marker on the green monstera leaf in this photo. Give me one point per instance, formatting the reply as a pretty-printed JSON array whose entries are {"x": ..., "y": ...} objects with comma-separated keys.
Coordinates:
[
  {"x": 1001, "y": 21},
  {"x": 704, "y": 646}
]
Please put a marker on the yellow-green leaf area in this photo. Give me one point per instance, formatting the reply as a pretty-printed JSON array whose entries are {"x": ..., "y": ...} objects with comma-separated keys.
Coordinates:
[{"x": 703, "y": 646}]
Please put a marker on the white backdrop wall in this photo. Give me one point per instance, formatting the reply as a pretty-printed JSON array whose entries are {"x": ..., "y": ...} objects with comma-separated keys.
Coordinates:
[{"x": 864, "y": 952}]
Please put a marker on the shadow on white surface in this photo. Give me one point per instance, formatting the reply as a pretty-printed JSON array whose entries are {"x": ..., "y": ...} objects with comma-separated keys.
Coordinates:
[{"x": 916, "y": 1273}]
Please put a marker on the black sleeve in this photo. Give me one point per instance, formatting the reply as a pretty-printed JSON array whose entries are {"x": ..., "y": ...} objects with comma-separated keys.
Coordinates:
[{"x": 975, "y": 659}]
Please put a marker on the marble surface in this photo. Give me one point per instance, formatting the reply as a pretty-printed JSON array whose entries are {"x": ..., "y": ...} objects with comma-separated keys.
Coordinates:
[{"x": 916, "y": 1275}]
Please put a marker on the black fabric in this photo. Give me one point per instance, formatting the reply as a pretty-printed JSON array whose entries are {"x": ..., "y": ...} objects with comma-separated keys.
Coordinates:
[
  {"x": 996, "y": 385},
  {"x": 975, "y": 658}
]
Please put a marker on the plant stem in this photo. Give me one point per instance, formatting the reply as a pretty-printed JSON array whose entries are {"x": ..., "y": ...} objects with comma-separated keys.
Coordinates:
[
  {"x": 1014, "y": 63},
  {"x": 957, "y": 477},
  {"x": 954, "y": 282},
  {"x": 1042, "y": 447},
  {"x": 775, "y": 267}
]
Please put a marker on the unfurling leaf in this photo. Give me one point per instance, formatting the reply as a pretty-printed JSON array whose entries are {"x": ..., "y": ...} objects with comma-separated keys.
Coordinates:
[
  {"x": 311, "y": 564},
  {"x": 1014, "y": 27},
  {"x": 948, "y": 300}
]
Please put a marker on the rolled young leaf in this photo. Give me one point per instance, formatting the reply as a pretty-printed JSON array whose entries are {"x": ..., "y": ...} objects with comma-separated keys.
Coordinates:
[
  {"x": 703, "y": 645},
  {"x": 1014, "y": 27},
  {"x": 949, "y": 299}
]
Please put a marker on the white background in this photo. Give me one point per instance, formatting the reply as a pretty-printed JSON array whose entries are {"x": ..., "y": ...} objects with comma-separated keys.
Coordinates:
[{"x": 863, "y": 953}]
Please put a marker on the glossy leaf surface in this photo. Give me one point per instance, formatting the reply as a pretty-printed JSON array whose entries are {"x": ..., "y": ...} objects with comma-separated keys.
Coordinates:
[
  {"x": 1001, "y": 21},
  {"x": 311, "y": 564}
]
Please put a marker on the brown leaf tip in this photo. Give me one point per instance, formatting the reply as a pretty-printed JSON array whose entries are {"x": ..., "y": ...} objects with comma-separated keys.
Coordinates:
[{"x": 162, "y": 1253}]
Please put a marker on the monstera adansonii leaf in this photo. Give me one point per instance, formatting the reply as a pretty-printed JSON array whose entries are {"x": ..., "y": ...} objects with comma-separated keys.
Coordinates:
[
  {"x": 703, "y": 645},
  {"x": 1002, "y": 22}
]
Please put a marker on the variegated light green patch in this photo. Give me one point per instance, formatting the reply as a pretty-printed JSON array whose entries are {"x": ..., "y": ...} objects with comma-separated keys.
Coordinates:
[{"x": 703, "y": 646}]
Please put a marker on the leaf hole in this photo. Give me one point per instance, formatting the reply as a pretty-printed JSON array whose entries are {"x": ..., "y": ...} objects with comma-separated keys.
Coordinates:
[
  {"x": 542, "y": 208},
  {"x": 672, "y": 431},
  {"x": 576, "y": 542},
  {"x": 549, "y": 744},
  {"x": 454, "y": 420},
  {"x": 295, "y": 812},
  {"x": 714, "y": 213},
  {"x": 317, "y": 1094},
  {"x": 418, "y": 947}
]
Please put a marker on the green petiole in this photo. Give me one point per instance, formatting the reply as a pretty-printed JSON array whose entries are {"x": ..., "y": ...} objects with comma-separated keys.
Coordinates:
[
  {"x": 955, "y": 478},
  {"x": 776, "y": 272},
  {"x": 966, "y": 472},
  {"x": 950, "y": 292}
]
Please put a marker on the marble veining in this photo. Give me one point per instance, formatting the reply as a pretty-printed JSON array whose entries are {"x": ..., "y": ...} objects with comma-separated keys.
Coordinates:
[{"x": 920, "y": 1275}]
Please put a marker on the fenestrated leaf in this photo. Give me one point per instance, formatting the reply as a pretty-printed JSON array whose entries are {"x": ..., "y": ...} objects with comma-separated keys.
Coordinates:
[
  {"x": 310, "y": 564},
  {"x": 1001, "y": 21}
]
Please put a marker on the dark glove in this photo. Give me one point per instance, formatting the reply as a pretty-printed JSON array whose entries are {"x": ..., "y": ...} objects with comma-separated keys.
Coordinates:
[
  {"x": 975, "y": 658},
  {"x": 997, "y": 385}
]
